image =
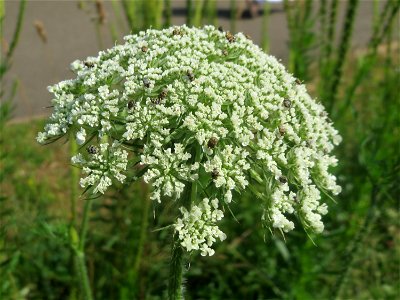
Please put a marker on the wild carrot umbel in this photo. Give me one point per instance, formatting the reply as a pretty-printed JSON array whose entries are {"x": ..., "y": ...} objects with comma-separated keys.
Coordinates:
[{"x": 202, "y": 115}]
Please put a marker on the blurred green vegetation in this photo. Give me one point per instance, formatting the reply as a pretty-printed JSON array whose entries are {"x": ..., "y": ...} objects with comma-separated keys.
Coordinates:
[{"x": 357, "y": 256}]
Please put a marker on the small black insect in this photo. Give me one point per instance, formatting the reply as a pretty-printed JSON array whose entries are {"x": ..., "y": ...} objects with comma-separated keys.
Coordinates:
[
  {"x": 282, "y": 130},
  {"x": 282, "y": 179},
  {"x": 156, "y": 101},
  {"x": 298, "y": 81},
  {"x": 163, "y": 93},
  {"x": 220, "y": 28},
  {"x": 91, "y": 149},
  {"x": 131, "y": 104},
  {"x": 310, "y": 143},
  {"x": 190, "y": 75},
  {"x": 177, "y": 31},
  {"x": 144, "y": 49},
  {"x": 146, "y": 82},
  {"x": 89, "y": 64},
  {"x": 212, "y": 143},
  {"x": 230, "y": 37},
  {"x": 214, "y": 174},
  {"x": 287, "y": 103}
]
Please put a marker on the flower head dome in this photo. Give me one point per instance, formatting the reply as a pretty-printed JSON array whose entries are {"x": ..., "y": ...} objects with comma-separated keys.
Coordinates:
[{"x": 199, "y": 105}]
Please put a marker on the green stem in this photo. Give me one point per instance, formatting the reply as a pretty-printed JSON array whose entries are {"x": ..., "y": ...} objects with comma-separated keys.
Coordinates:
[
  {"x": 343, "y": 49},
  {"x": 327, "y": 48},
  {"x": 74, "y": 183},
  {"x": 80, "y": 252},
  {"x": 143, "y": 228},
  {"x": 331, "y": 29},
  {"x": 83, "y": 274},
  {"x": 17, "y": 32},
  {"x": 85, "y": 221},
  {"x": 74, "y": 192},
  {"x": 349, "y": 259},
  {"x": 233, "y": 16},
  {"x": 189, "y": 13},
  {"x": 211, "y": 12},
  {"x": 167, "y": 13},
  {"x": 5, "y": 64},
  {"x": 388, "y": 16},
  {"x": 322, "y": 39},
  {"x": 198, "y": 13},
  {"x": 175, "y": 288},
  {"x": 134, "y": 19},
  {"x": 291, "y": 28},
  {"x": 265, "y": 33}
]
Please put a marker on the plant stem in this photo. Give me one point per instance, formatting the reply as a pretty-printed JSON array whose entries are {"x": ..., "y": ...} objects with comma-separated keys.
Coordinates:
[
  {"x": 73, "y": 239},
  {"x": 342, "y": 52},
  {"x": 5, "y": 64},
  {"x": 175, "y": 288},
  {"x": 211, "y": 12},
  {"x": 143, "y": 228},
  {"x": 134, "y": 18},
  {"x": 87, "y": 292},
  {"x": 189, "y": 12},
  {"x": 357, "y": 243},
  {"x": 233, "y": 16},
  {"x": 85, "y": 221},
  {"x": 265, "y": 33},
  {"x": 167, "y": 13},
  {"x": 330, "y": 39},
  {"x": 326, "y": 51},
  {"x": 198, "y": 13},
  {"x": 289, "y": 19},
  {"x": 80, "y": 252},
  {"x": 387, "y": 19},
  {"x": 74, "y": 183}
]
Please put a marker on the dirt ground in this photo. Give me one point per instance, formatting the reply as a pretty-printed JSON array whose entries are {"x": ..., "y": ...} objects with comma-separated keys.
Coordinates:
[{"x": 71, "y": 34}]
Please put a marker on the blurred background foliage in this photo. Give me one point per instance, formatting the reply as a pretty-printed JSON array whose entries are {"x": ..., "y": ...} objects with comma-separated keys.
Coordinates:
[{"x": 357, "y": 256}]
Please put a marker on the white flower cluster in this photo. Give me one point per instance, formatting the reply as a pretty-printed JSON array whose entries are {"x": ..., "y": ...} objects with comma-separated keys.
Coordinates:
[
  {"x": 228, "y": 169},
  {"x": 167, "y": 170},
  {"x": 167, "y": 95},
  {"x": 197, "y": 228},
  {"x": 101, "y": 166}
]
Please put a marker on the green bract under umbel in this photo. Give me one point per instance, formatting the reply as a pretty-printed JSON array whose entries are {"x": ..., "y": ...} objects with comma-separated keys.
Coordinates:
[{"x": 166, "y": 94}]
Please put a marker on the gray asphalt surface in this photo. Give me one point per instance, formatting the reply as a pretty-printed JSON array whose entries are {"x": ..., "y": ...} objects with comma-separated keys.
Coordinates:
[{"x": 71, "y": 34}]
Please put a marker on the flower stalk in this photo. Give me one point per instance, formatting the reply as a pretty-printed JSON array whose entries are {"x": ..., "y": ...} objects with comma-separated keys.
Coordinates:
[
  {"x": 143, "y": 229},
  {"x": 175, "y": 289},
  {"x": 80, "y": 252}
]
